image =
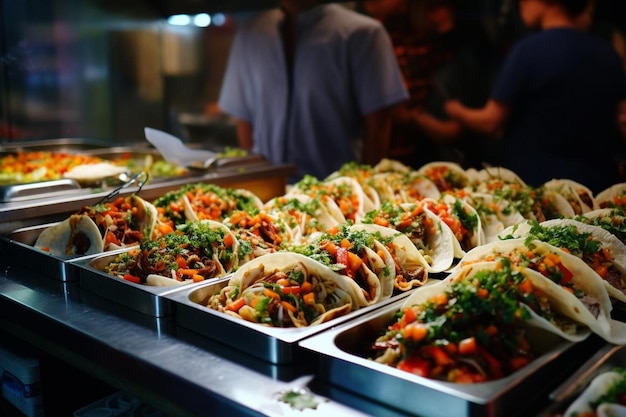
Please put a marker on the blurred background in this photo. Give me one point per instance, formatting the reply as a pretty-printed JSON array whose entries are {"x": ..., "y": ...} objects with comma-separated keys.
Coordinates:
[{"x": 105, "y": 69}]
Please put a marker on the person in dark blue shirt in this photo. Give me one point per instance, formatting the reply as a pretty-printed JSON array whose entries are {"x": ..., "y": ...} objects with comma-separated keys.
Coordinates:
[{"x": 557, "y": 101}]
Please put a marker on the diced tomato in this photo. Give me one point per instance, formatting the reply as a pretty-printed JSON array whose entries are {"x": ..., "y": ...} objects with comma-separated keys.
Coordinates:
[
  {"x": 415, "y": 365},
  {"x": 132, "y": 278},
  {"x": 293, "y": 289}
]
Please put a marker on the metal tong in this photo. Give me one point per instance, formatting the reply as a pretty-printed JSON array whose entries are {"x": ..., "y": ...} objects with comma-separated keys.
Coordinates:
[{"x": 140, "y": 179}]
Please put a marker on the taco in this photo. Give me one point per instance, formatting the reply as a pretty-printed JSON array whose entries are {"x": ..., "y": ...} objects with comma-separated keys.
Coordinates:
[
  {"x": 612, "y": 197},
  {"x": 411, "y": 268},
  {"x": 603, "y": 397},
  {"x": 192, "y": 253},
  {"x": 356, "y": 254},
  {"x": 200, "y": 201},
  {"x": 391, "y": 165},
  {"x": 286, "y": 290},
  {"x": 504, "y": 208},
  {"x": 497, "y": 172},
  {"x": 463, "y": 220},
  {"x": 613, "y": 220},
  {"x": 74, "y": 236},
  {"x": 404, "y": 188},
  {"x": 123, "y": 222},
  {"x": 474, "y": 325},
  {"x": 363, "y": 174},
  {"x": 259, "y": 232},
  {"x": 343, "y": 196},
  {"x": 604, "y": 253},
  {"x": 578, "y": 195},
  {"x": 582, "y": 288},
  {"x": 431, "y": 236},
  {"x": 487, "y": 210},
  {"x": 304, "y": 215},
  {"x": 447, "y": 176}
]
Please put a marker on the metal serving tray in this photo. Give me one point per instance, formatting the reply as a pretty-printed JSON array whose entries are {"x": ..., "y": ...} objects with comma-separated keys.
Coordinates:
[
  {"x": 143, "y": 298},
  {"x": 275, "y": 345},
  {"x": 605, "y": 359},
  {"x": 343, "y": 362},
  {"x": 17, "y": 248}
]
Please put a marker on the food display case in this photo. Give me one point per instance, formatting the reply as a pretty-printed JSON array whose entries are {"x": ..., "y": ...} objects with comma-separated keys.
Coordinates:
[
  {"x": 38, "y": 202},
  {"x": 165, "y": 346}
]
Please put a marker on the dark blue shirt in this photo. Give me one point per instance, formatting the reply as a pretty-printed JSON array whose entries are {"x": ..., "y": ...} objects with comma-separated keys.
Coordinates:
[{"x": 562, "y": 87}]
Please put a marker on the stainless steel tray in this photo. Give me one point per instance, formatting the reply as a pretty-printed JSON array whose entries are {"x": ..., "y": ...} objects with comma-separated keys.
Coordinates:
[
  {"x": 343, "y": 362},
  {"x": 275, "y": 345},
  {"x": 143, "y": 298},
  {"x": 17, "y": 192},
  {"x": 17, "y": 248}
]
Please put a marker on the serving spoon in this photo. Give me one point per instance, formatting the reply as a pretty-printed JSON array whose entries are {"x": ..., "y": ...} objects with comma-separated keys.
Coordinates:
[{"x": 175, "y": 152}]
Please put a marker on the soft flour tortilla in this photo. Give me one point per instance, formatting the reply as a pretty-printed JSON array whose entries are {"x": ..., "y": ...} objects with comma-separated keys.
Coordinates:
[
  {"x": 600, "y": 385},
  {"x": 438, "y": 253},
  {"x": 609, "y": 242},
  {"x": 575, "y": 329},
  {"x": 476, "y": 235},
  {"x": 578, "y": 195},
  {"x": 76, "y": 235},
  {"x": 609, "y": 197},
  {"x": 338, "y": 294},
  {"x": 404, "y": 253},
  {"x": 583, "y": 278}
]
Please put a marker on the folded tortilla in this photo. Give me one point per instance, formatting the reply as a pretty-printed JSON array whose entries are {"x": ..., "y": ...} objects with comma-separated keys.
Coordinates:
[
  {"x": 563, "y": 315},
  {"x": 76, "y": 235},
  {"x": 258, "y": 290},
  {"x": 581, "y": 292},
  {"x": 410, "y": 265},
  {"x": 429, "y": 234},
  {"x": 584, "y": 241},
  {"x": 602, "y": 387}
]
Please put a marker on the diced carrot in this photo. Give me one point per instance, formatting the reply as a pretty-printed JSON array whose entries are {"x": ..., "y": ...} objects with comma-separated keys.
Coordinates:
[
  {"x": 309, "y": 298},
  {"x": 288, "y": 306},
  {"x": 439, "y": 299},
  {"x": 354, "y": 262},
  {"x": 415, "y": 331},
  {"x": 526, "y": 286},
  {"x": 306, "y": 287},
  {"x": 332, "y": 230},
  {"x": 229, "y": 240},
  {"x": 236, "y": 304},
  {"x": 467, "y": 346},
  {"x": 181, "y": 262},
  {"x": 283, "y": 282},
  {"x": 269, "y": 293}
]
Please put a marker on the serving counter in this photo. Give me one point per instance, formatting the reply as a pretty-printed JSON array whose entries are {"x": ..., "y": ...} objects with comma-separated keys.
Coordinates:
[{"x": 175, "y": 372}]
